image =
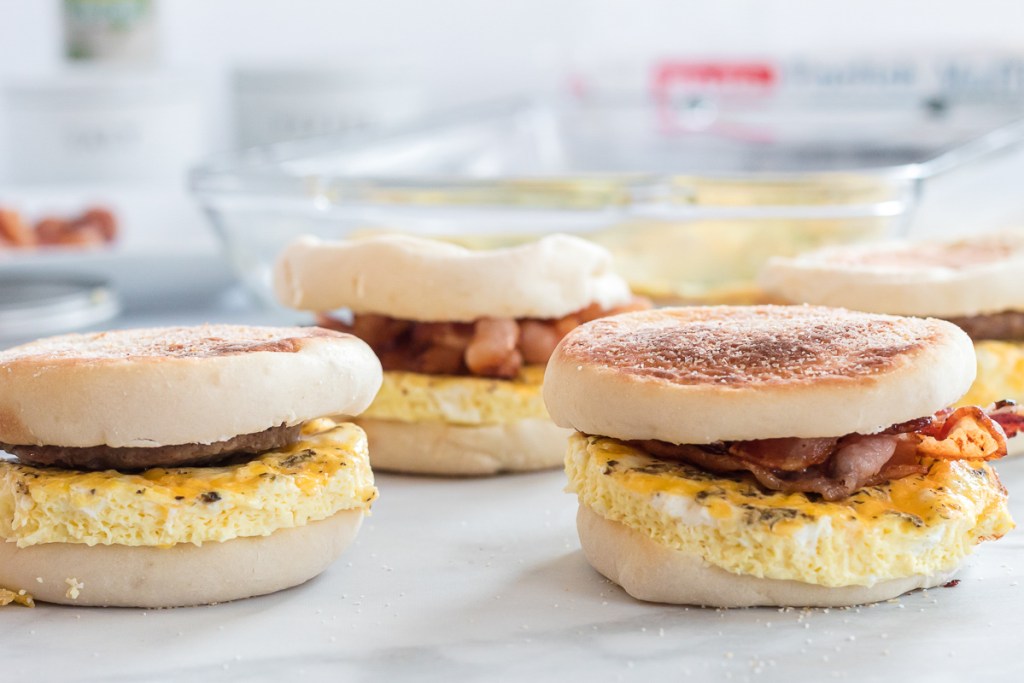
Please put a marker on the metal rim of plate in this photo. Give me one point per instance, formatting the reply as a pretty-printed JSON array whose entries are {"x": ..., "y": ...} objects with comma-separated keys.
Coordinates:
[{"x": 37, "y": 305}]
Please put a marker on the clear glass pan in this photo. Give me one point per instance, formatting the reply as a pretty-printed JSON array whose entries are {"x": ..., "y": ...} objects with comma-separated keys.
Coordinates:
[{"x": 692, "y": 196}]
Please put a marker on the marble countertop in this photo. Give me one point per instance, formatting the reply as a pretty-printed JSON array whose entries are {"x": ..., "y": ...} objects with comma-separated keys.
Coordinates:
[{"x": 483, "y": 579}]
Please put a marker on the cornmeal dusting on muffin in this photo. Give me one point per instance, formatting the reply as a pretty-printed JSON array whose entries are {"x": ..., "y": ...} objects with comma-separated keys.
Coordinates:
[
  {"x": 1000, "y": 373},
  {"x": 752, "y": 346},
  {"x": 74, "y": 588}
]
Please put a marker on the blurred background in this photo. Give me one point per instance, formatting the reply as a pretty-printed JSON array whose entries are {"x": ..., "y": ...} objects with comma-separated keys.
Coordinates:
[{"x": 154, "y": 153}]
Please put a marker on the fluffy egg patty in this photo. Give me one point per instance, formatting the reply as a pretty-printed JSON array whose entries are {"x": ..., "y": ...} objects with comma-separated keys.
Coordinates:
[
  {"x": 325, "y": 472},
  {"x": 1000, "y": 373},
  {"x": 416, "y": 397},
  {"x": 922, "y": 524}
]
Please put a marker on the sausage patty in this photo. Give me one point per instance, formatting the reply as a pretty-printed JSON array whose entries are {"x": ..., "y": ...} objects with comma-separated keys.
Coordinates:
[
  {"x": 138, "y": 458},
  {"x": 1008, "y": 325}
]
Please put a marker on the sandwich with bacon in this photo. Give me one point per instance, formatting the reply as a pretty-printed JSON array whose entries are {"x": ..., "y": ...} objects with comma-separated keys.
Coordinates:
[
  {"x": 463, "y": 336},
  {"x": 769, "y": 455},
  {"x": 973, "y": 282}
]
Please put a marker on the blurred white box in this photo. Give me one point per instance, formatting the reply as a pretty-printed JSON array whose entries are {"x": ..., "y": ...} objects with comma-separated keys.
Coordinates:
[
  {"x": 102, "y": 126},
  {"x": 274, "y": 104}
]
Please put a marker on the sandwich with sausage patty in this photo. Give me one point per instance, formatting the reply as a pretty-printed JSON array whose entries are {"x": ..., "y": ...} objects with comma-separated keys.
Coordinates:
[
  {"x": 180, "y": 466},
  {"x": 768, "y": 455},
  {"x": 463, "y": 337},
  {"x": 973, "y": 282}
]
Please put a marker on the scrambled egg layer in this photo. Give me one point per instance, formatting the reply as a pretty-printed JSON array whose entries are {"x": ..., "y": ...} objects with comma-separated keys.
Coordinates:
[
  {"x": 415, "y": 397},
  {"x": 310, "y": 480},
  {"x": 1000, "y": 373},
  {"x": 917, "y": 525}
]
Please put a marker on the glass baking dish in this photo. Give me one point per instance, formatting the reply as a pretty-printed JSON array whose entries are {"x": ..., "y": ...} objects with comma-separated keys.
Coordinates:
[{"x": 691, "y": 196}]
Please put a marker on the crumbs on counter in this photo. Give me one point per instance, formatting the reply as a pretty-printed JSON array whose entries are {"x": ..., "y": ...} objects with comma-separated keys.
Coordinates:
[
  {"x": 21, "y": 597},
  {"x": 95, "y": 226}
]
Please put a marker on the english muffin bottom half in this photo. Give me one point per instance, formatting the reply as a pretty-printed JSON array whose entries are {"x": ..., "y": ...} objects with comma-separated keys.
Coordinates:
[{"x": 772, "y": 455}]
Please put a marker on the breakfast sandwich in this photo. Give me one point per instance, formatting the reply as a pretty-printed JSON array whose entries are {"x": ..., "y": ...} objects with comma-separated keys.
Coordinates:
[
  {"x": 973, "y": 282},
  {"x": 180, "y": 466},
  {"x": 776, "y": 455},
  {"x": 463, "y": 337}
]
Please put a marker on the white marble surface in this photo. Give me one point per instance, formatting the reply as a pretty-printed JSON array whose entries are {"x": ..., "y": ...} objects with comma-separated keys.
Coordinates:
[{"x": 483, "y": 579}]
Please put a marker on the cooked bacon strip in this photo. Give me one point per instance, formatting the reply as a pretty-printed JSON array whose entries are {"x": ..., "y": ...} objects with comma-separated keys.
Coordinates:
[
  {"x": 1009, "y": 416},
  {"x": 903, "y": 463},
  {"x": 809, "y": 482},
  {"x": 488, "y": 347},
  {"x": 966, "y": 433},
  {"x": 706, "y": 457},
  {"x": 836, "y": 467},
  {"x": 858, "y": 458},
  {"x": 714, "y": 458},
  {"x": 909, "y": 426},
  {"x": 787, "y": 455}
]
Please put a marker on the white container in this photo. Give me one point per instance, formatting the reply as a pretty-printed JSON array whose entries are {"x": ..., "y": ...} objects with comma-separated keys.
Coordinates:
[
  {"x": 102, "y": 127},
  {"x": 275, "y": 104}
]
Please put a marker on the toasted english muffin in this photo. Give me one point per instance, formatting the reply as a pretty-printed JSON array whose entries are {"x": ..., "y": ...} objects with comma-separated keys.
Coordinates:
[
  {"x": 428, "y": 280},
  {"x": 966, "y": 276},
  {"x": 180, "y": 385},
  {"x": 786, "y": 456},
  {"x": 180, "y": 466},
  {"x": 971, "y": 281},
  {"x": 724, "y": 373},
  {"x": 463, "y": 336}
]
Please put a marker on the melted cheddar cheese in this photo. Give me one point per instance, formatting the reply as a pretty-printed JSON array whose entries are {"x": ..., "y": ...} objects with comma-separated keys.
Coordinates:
[
  {"x": 312, "y": 479},
  {"x": 1000, "y": 373},
  {"x": 916, "y": 525},
  {"x": 471, "y": 401},
  {"x": 1000, "y": 376}
]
